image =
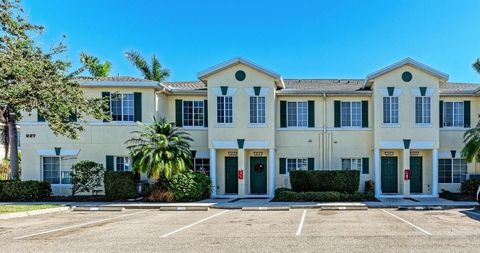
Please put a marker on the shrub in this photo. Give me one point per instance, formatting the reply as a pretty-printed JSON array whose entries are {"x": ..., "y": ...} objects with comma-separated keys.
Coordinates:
[
  {"x": 329, "y": 196},
  {"x": 469, "y": 187},
  {"x": 190, "y": 186},
  {"x": 369, "y": 186},
  {"x": 24, "y": 190},
  {"x": 86, "y": 176},
  {"x": 160, "y": 195},
  {"x": 324, "y": 181},
  {"x": 119, "y": 185}
]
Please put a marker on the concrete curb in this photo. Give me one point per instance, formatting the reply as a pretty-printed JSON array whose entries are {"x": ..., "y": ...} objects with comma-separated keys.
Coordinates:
[
  {"x": 98, "y": 208},
  {"x": 266, "y": 208},
  {"x": 33, "y": 212},
  {"x": 184, "y": 208}
]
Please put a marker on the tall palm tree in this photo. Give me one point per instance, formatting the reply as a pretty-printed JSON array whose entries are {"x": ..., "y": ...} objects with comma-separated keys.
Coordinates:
[
  {"x": 93, "y": 65},
  {"x": 161, "y": 149},
  {"x": 153, "y": 72},
  {"x": 471, "y": 138}
]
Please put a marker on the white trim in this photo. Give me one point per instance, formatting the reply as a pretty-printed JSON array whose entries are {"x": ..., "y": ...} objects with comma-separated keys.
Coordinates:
[
  {"x": 428, "y": 93},
  {"x": 422, "y": 144},
  {"x": 225, "y": 145},
  {"x": 224, "y": 125},
  {"x": 202, "y": 154},
  {"x": 407, "y": 61},
  {"x": 63, "y": 152},
  {"x": 390, "y": 125},
  {"x": 250, "y": 91},
  {"x": 384, "y": 92},
  {"x": 218, "y": 91},
  {"x": 400, "y": 145},
  {"x": 257, "y": 125},
  {"x": 121, "y": 84},
  {"x": 391, "y": 144},
  {"x": 256, "y": 144}
]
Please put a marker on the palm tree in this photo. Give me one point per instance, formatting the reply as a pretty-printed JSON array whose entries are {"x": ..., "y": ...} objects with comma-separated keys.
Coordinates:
[
  {"x": 161, "y": 149},
  {"x": 93, "y": 65},
  {"x": 153, "y": 72},
  {"x": 471, "y": 138}
]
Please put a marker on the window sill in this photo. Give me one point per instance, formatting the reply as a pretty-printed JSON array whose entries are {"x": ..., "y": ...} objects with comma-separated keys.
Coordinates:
[
  {"x": 351, "y": 127},
  {"x": 253, "y": 125},
  {"x": 453, "y": 128},
  {"x": 195, "y": 128},
  {"x": 391, "y": 125},
  {"x": 221, "y": 125},
  {"x": 423, "y": 125}
]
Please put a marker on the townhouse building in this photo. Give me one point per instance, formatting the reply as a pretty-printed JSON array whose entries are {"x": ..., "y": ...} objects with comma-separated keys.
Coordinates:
[{"x": 401, "y": 126}]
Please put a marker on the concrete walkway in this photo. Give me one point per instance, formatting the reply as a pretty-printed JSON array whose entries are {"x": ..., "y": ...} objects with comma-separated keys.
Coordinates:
[{"x": 240, "y": 203}]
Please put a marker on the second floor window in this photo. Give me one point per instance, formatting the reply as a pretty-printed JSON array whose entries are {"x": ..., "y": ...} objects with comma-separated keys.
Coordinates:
[
  {"x": 193, "y": 113},
  {"x": 422, "y": 110},
  {"x": 224, "y": 110},
  {"x": 390, "y": 110},
  {"x": 122, "y": 106},
  {"x": 257, "y": 110},
  {"x": 453, "y": 115},
  {"x": 351, "y": 114},
  {"x": 297, "y": 114}
]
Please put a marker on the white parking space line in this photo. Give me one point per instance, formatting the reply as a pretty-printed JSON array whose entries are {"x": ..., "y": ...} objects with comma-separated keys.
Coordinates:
[
  {"x": 300, "y": 225},
  {"x": 193, "y": 224},
  {"x": 409, "y": 223},
  {"x": 80, "y": 225}
]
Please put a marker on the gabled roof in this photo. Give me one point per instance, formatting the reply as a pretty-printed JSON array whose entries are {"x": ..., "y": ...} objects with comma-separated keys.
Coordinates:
[
  {"x": 203, "y": 75},
  {"x": 407, "y": 61}
]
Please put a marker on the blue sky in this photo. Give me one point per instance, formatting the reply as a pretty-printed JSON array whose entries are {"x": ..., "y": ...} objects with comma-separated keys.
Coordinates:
[{"x": 297, "y": 39}]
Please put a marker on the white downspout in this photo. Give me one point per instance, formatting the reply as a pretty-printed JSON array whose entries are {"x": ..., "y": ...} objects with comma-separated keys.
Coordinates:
[{"x": 324, "y": 164}]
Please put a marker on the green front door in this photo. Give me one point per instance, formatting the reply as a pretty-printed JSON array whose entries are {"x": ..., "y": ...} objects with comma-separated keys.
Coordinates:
[
  {"x": 231, "y": 170},
  {"x": 258, "y": 175},
  {"x": 389, "y": 174},
  {"x": 416, "y": 174}
]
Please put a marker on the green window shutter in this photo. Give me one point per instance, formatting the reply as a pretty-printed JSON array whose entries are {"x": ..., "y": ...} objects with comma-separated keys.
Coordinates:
[
  {"x": 283, "y": 166},
  {"x": 466, "y": 114},
  {"x": 311, "y": 113},
  {"x": 336, "y": 113},
  {"x": 440, "y": 116},
  {"x": 205, "y": 113},
  {"x": 109, "y": 163},
  {"x": 178, "y": 112},
  {"x": 137, "y": 106},
  {"x": 311, "y": 163},
  {"x": 283, "y": 113},
  {"x": 365, "y": 166},
  {"x": 40, "y": 118},
  {"x": 107, "y": 95},
  {"x": 364, "y": 114}
]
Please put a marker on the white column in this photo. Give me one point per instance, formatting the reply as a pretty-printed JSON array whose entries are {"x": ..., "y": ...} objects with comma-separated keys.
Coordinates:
[
  {"x": 271, "y": 171},
  {"x": 435, "y": 172},
  {"x": 377, "y": 169},
  {"x": 213, "y": 170}
]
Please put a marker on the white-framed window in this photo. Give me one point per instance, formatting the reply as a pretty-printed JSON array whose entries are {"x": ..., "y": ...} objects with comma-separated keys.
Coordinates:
[
  {"x": 453, "y": 114},
  {"x": 257, "y": 110},
  {"x": 296, "y": 164},
  {"x": 224, "y": 110},
  {"x": 352, "y": 164},
  {"x": 202, "y": 165},
  {"x": 390, "y": 110},
  {"x": 452, "y": 170},
  {"x": 297, "y": 114},
  {"x": 351, "y": 114},
  {"x": 123, "y": 163},
  {"x": 422, "y": 110},
  {"x": 57, "y": 169},
  {"x": 193, "y": 112},
  {"x": 122, "y": 106}
]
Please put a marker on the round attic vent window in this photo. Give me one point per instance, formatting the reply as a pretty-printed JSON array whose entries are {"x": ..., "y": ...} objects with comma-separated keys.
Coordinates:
[
  {"x": 407, "y": 76},
  {"x": 240, "y": 75}
]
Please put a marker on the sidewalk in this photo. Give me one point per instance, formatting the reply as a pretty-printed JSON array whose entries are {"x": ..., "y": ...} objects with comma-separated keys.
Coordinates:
[{"x": 240, "y": 203}]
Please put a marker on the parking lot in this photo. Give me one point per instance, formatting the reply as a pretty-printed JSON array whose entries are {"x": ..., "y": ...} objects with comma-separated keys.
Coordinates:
[{"x": 304, "y": 230}]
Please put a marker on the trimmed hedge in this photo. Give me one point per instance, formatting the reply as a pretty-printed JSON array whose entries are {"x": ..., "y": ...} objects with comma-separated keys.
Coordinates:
[
  {"x": 329, "y": 196},
  {"x": 24, "y": 190},
  {"x": 119, "y": 185},
  {"x": 190, "y": 186},
  {"x": 346, "y": 181}
]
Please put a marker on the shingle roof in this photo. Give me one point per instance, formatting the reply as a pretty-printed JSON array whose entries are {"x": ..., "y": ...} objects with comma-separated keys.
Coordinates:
[
  {"x": 329, "y": 85},
  {"x": 112, "y": 79}
]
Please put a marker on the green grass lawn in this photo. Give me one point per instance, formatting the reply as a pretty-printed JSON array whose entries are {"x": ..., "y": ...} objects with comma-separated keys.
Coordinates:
[{"x": 22, "y": 208}]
